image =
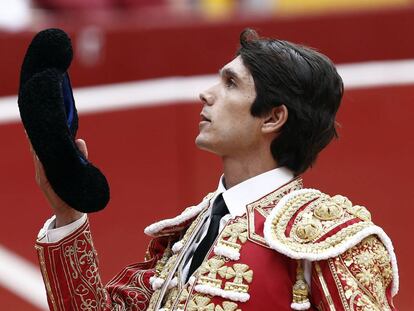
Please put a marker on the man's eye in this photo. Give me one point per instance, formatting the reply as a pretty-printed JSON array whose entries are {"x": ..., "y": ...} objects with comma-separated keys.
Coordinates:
[{"x": 230, "y": 82}]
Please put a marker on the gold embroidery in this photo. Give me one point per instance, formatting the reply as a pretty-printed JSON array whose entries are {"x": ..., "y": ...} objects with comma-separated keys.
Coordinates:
[
  {"x": 170, "y": 298},
  {"x": 308, "y": 229},
  {"x": 236, "y": 287},
  {"x": 340, "y": 200},
  {"x": 227, "y": 306},
  {"x": 234, "y": 246},
  {"x": 332, "y": 209},
  {"x": 200, "y": 303},
  {"x": 324, "y": 287},
  {"x": 41, "y": 254},
  {"x": 129, "y": 296},
  {"x": 239, "y": 273},
  {"x": 212, "y": 267},
  {"x": 168, "y": 266},
  {"x": 154, "y": 299},
  {"x": 339, "y": 286},
  {"x": 80, "y": 256},
  {"x": 190, "y": 231},
  {"x": 365, "y": 272},
  {"x": 265, "y": 205},
  {"x": 360, "y": 212},
  {"x": 307, "y": 232},
  {"x": 163, "y": 260},
  {"x": 234, "y": 232},
  {"x": 182, "y": 298},
  {"x": 274, "y": 197},
  {"x": 172, "y": 264},
  {"x": 175, "y": 261},
  {"x": 203, "y": 303}
]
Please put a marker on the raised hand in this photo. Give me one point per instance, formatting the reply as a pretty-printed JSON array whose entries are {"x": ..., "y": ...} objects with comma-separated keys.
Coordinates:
[{"x": 64, "y": 213}]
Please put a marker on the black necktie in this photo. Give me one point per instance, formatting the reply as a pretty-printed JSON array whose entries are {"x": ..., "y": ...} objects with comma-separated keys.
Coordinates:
[{"x": 218, "y": 211}]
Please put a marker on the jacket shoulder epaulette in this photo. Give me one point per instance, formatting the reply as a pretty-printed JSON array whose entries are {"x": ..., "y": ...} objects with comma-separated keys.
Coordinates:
[{"x": 308, "y": 224}]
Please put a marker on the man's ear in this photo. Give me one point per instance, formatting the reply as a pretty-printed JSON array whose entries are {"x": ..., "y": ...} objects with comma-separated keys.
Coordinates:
[{"x": 275, "y": 119}]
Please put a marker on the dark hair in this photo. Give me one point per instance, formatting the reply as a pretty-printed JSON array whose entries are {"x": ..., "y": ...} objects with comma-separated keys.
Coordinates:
[{"x": 303, "y": 80}]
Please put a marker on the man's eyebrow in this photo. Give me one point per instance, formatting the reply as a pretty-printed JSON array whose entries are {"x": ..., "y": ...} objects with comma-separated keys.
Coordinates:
[{"x": 229, "y": 73}]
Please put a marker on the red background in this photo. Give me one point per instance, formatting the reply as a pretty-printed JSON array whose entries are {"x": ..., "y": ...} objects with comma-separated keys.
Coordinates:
[{"x": 149, "y": 156}]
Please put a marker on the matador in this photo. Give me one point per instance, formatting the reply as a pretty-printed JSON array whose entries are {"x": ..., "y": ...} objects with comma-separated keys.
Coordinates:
[{"x": 261, "y": 240}]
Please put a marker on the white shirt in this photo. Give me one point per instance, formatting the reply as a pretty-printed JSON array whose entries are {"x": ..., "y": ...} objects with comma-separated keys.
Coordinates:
[{"x": 236, "y": 199}]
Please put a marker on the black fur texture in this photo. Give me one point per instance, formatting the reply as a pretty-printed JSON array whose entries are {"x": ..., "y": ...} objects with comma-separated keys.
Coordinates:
[{"x": 74, "y": 179}]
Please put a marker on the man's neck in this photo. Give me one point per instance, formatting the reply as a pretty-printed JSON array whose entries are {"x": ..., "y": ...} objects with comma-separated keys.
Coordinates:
[{"x": 237, "y": 170}]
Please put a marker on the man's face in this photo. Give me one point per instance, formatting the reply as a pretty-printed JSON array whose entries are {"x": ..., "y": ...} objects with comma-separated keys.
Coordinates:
[{"x": 227, "y": 127}]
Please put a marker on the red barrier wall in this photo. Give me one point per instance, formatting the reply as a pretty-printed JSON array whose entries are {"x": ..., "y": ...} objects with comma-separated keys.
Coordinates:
[
  {"x": 155, "y": 170},
  {"x": 149, "y": 157}
]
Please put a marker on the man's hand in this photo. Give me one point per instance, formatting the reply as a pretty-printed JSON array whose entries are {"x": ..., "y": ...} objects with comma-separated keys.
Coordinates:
[{"x": 64, "y": 213}]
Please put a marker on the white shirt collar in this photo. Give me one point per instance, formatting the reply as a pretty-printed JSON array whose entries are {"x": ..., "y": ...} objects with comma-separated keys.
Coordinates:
[{"x": 252, "y": 189}]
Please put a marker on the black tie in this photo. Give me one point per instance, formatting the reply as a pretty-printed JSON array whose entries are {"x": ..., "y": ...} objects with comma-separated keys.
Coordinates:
[{"x": 218, "y": 211}]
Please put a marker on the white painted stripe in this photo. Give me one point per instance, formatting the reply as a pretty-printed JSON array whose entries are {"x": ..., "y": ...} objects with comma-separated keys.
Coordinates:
[
  {"x": 22, "y": 278},
  {"x": 164, "y": 91},
  {"x": 155, "y": 92},
  {"x": 376, "y": 74}
]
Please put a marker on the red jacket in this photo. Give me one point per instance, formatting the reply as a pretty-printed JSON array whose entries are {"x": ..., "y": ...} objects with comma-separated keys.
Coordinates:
[{"x": 292, "y": 250}]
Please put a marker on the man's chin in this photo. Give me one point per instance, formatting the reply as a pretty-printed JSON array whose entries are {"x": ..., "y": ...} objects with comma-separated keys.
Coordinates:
[
  {"x": 203, "y": 144},
  {"x": 200, "y": 142}
]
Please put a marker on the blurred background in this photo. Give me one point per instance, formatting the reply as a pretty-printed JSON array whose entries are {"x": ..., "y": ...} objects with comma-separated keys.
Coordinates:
[{"x": 139, "y": 66}]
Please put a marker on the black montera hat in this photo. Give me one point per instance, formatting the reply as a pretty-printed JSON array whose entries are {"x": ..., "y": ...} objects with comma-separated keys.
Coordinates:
[{"x": 48, "y": 112}]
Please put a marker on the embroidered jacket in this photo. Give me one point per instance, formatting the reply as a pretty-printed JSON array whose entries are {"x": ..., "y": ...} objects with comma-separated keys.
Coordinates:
[{"x": 293, "y": 249}]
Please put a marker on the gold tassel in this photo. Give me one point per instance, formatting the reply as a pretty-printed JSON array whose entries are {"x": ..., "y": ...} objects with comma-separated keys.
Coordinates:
[{"x": 300, "y": 290}]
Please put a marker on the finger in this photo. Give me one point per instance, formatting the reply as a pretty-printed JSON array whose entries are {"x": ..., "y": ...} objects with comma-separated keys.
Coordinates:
[
  {"x": 31, "y": 146},
  {"x": 81, "y": 144},
  {"x": 40, "y": 176},
  {"x": 36, "y": 168},
  {"x": 37, "y": 163}
]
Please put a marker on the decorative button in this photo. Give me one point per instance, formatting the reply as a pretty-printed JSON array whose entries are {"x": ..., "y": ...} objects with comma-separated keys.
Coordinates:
[{"x": 329, "y": 210}]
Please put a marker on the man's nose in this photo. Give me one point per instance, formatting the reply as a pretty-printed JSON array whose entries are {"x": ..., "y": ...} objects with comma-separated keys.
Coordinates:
[{"x": 206, "y": 97}]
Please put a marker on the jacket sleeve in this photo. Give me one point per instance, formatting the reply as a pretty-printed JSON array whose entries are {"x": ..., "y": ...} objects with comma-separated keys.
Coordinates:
[
  {"x": 71, "y": 275},
  {"x": 362, "y": 278}
]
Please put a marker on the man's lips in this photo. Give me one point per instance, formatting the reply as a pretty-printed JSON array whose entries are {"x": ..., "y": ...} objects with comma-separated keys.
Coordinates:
[{"x": 203, "y": 117}]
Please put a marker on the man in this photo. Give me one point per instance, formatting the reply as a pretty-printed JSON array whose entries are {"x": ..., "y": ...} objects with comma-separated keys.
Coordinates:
[{"x": 259, "y": 241}]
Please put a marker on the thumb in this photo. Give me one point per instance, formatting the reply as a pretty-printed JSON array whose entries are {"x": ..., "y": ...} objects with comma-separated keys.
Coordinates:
[{"x": 81, "y": 144}]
